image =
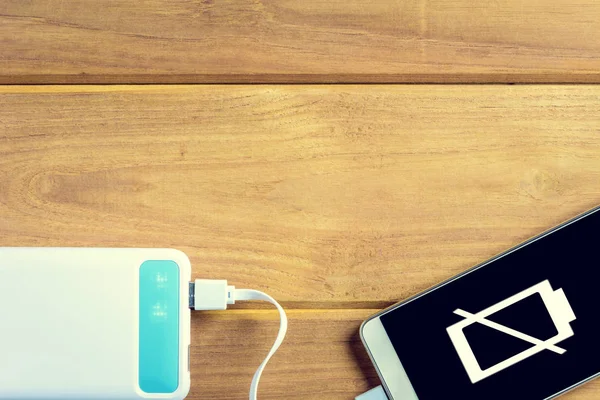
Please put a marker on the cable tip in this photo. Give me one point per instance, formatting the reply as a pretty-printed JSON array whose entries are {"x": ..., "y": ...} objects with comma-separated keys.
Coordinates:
[{"x": 374, "y": 394}]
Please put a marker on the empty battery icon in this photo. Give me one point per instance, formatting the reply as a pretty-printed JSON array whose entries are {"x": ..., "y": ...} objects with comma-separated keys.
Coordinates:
[{"x": 558, "y": 308}]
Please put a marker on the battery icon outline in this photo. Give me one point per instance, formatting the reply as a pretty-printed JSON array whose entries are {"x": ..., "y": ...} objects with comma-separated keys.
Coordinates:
[{"x": 558, "y": 307}]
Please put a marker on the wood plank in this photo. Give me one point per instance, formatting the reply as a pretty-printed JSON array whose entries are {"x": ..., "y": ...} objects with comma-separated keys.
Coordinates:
[
  {"x": 325, "y": 196},
  {"x": 120, "y": 41},
  {"x": 322, "y": 357}
]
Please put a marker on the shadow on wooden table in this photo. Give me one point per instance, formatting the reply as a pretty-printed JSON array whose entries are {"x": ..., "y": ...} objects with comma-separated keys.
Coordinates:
[{"x": 363, "y": 361}]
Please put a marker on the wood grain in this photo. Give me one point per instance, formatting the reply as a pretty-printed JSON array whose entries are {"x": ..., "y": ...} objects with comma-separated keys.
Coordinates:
[
  {"x": 183, "y": 41},
  {"x": 322, "y": 357},
  {"x": 326, "y": 196}
]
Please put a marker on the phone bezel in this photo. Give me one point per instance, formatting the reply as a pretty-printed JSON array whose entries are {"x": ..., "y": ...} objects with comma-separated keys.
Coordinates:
[{"x": 381, "y": 351}]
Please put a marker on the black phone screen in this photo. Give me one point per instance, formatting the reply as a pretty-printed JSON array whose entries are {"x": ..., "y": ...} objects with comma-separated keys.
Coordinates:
[{"x": 524, "y": 326}]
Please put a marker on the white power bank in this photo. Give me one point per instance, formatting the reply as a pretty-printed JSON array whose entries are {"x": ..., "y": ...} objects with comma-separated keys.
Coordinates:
[{"x": 79, "y": 323}]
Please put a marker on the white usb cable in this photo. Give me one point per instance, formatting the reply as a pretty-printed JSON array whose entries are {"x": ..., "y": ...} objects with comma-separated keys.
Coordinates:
[{"x": 208, "y": 294}]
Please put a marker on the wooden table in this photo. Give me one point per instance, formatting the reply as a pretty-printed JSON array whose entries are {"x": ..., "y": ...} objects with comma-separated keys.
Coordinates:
[{"x": 336, "y": 199}]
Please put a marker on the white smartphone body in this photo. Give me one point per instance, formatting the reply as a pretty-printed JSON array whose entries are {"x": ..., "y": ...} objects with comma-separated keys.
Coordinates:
[
  {"x": 85, "y": 323},
  {"x": 523, "y": 325}
]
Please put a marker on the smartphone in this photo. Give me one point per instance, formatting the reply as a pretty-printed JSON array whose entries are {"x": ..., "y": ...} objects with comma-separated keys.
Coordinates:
[
  {"x": 523, "y": 325},
  {"x": 84, "y": 323}
]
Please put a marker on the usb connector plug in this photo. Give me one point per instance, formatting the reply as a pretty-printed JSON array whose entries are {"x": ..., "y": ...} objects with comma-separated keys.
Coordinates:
[
  {"x": 376, "y": 393},
  {"x": 209, "y": 294}
]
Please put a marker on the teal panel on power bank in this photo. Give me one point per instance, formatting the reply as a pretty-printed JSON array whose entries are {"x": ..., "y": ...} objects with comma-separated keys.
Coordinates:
[{"x": 159, "y": 327}]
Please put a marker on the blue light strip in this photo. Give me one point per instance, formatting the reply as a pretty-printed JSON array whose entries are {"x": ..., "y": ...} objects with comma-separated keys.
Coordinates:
[{"x": 159, "y": 327}]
